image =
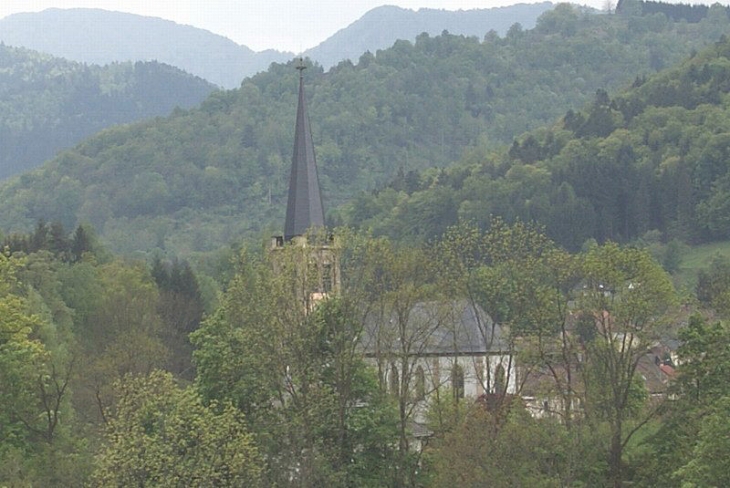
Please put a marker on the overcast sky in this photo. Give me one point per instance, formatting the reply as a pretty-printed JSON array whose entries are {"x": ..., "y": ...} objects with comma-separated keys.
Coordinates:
[{"x": 290, "y": 25}]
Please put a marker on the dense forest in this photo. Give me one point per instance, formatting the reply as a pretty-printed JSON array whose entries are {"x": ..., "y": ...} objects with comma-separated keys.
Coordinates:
[
  {"x": 48, "y": 104},
  {"x": 210, "y": 176},
  {"x": 124, "y": 373},
  {"x": 650, "y": 159},
  {"x": 382, "y": 26}
]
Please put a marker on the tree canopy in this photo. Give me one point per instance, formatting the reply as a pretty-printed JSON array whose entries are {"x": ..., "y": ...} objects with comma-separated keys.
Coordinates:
[
  {"x": 199, "y": 179},
  {"x": 49, "y": 104}
]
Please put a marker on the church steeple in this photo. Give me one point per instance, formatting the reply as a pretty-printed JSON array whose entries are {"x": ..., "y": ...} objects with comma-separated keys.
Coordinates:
[
  {"x": 304, "y": 213},
  {"x": 304, "y": 208}
]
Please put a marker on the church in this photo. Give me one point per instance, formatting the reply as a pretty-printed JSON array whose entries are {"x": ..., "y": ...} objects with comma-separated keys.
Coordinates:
[{"x": 459, "y": 350}]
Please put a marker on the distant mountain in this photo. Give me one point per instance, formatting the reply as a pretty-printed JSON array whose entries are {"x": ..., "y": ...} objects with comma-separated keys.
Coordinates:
[
  {"x": 102, "y": 37},
  {"x": 48, "y": 104},
  {"x": 381, "y": 27}
]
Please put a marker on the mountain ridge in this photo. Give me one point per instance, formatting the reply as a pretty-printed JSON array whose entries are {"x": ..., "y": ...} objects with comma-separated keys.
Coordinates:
[
  {"x": 382, "y": 26},
  {"x": 83, "y": 35}
]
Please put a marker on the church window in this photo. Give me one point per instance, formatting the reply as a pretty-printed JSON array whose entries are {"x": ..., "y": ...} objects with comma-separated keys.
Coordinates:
[
  {"x": 420, "y": 384},
  {"x": 457, "y": 381},
  {"x": 394, "y": 380},
  {"x": 500, "y": 380}
]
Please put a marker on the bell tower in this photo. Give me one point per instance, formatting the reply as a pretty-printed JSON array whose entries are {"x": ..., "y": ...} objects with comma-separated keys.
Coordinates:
[{"x": 304, "y": 224}]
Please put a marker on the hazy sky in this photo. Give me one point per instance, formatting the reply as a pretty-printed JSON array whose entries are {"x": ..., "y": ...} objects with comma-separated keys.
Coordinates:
[{"x": 291, "y": 25}]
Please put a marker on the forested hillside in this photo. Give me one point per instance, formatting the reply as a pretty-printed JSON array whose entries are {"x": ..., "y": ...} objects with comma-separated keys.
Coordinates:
[
  {"x": 202, "y": 178},
  {"x": 651, "y": 159},
  {"x": 48, "y": 104}
]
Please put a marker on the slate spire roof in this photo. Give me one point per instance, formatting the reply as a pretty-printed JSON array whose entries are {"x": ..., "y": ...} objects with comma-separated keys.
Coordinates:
[{"x": 304, "y": 208}]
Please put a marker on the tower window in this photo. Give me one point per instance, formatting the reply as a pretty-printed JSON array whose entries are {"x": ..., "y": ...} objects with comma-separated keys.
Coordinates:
[
  {"x": 457, "y": 381},
  {"x": 327, "y": 278}
]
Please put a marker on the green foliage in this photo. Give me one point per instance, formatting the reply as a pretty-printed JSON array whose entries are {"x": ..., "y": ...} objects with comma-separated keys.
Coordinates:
[
  {"x": 37, "y": 366},
  {"x": 184, "y": 181},
  {"x": 313, "y": 406},
  {"x": 707, "y": 466},
  {"x": 163, "y": 435},
  {"x": 516, "y": 451},
  {"x": 54, "y": 239},
  {"x": 284, "y": 394},
  {"x": 700, "y": 415},
  {"x": 689, "y": 441},
  {"x": 649, "y": 159},
  {"x": 713, "y": 285},
  {"x": 48, "y": 104},
  {"x": 22, "y": 357},
  {"x": 704, "y": 360},
  {"x": 181, "y": 307}
]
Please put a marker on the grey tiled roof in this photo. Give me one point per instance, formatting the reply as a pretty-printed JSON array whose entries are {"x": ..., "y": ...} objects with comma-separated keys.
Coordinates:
[{"x": 437, "y": 328}]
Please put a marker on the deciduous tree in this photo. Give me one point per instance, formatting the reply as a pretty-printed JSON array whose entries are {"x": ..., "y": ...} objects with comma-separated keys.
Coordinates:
[{"x": 162, "y": 435}]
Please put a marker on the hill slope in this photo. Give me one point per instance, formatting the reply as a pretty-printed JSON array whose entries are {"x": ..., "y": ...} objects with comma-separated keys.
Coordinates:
[
  {"x": 648, "y": 165},
  {"x": 102, "y": 37},
  {"x": 381, "y": 27},
  {"x": 202, "y": 178},
  {"x": 48, "y": 104}
]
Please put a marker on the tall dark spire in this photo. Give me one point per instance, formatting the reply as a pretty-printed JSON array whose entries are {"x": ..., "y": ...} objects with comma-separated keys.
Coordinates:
[{"x": 304, "y": 208}]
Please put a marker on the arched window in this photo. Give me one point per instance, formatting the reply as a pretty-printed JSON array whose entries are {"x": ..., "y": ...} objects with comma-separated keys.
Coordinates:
[
  {"x": 394, "y": 380},
  {"x": 500, "y": 380},
  {"x": 457, "y": 381},
  {"x": 420, "y": 384}
]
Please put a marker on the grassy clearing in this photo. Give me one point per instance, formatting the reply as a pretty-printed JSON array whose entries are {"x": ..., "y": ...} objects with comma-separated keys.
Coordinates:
[{"x": 696, "y": 258}]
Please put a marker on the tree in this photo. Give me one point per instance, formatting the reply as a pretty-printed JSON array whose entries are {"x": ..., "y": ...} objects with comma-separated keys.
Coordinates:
[
  {"x": 181, "y": 309},
  {"x": 163, "y": 435},
  {"x": 508, "y": 449},
  {"x": 81, "y": 243},
  {"x": 525, "y": 282},
  {"x": 121, "y": 333},
  {"x": 680, "y": 449},
  {"x": 713, "y": 285},
  {"x": 403, "y": 316},
  {"x": 21, "y": 359},
  {"x": 292, "y": 365},
  {"x": 708, "y": 465},
  {"x": 37, "y": 425},
  {"x": 704, "y": 402},
  {"x": 629, "y": 297}
]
